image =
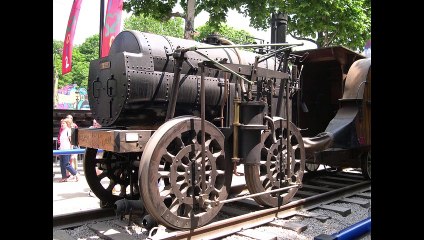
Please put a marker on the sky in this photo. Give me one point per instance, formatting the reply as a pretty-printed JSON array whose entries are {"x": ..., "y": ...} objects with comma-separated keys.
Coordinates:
[{"x": 88, "y": 22}]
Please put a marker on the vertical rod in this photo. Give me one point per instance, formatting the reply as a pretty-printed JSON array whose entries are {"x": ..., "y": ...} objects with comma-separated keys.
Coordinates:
[
  {"x": 236, "y": 123},
  {"x": 202, "y": 124},
  {"x": 288, "y": 130},
  {"x": 178, "y": 63},
  {"x": 280, "y": 202},
  {"x": 281, "y": 91},
  {"x": 102, "y": 20}
]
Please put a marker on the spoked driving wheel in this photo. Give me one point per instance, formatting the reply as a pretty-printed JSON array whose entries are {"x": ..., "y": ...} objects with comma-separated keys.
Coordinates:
[
  {"x": 266, "y": 176},
  {"x": 173, "y": 187},
  {"x": 111, "y": 177}
]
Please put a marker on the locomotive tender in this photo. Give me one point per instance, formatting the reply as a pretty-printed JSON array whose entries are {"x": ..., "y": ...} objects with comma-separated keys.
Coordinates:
[{"x": 179, "y": 116}]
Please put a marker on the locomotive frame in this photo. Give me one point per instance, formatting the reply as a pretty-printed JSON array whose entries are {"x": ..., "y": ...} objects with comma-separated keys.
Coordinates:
[
  {"x": 191, "y": 156},
  {"x": 176, "y": 149}
]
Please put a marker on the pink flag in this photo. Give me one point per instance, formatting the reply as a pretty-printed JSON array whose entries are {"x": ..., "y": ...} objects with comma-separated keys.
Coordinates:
[
  {"x": 69, "y": 37},
  {"x": 112, "y": 24}
]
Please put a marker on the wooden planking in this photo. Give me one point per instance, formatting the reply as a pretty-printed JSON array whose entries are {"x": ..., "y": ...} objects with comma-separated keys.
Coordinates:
[
  {"x": 340, "y": 210},
  {"x": 327, "y": 183},
  {"x": 232, "y": 211},
  {"x": 317, "y": 216},
  {"x": 363, "y": 195},
  {"x": 362, "y": 203},
  {"x": 343, "y": 179},
  {"x": 316, "y": 188},
  {"x": 294, "y": 226},
  {"x": 302, "y": 193}
]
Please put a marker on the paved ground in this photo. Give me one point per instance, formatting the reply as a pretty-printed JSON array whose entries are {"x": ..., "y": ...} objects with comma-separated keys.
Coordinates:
[{"x": 71, "y": 197}]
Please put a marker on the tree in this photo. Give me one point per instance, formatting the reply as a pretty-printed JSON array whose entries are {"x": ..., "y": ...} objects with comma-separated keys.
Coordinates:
[
  {"x": 230, "y": 33},
  {"x": 331, "y": 22},
  {"x": 81, "y": 57},
  {"x": 324, "y": 22},
  {"x": 162, "y": 11},
  {"x": 172, "y": 27},
  {"x": 90, "y": 48}
]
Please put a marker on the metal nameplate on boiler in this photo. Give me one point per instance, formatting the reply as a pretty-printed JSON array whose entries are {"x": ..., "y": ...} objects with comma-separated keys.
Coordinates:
[{"x": 105, "y": 65}]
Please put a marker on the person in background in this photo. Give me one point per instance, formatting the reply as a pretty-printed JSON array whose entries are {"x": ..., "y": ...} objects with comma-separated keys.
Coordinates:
[
  {"x": 74, "y": 157},
  {"x": 65, "y": 144},
  {"x": 95, "y": 124},
  {"x": 99, "y": 154}
]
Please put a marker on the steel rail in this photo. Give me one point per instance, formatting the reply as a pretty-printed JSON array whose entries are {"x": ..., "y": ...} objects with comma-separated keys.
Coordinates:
[
  {"x": 78, "y": 218},
  {"x": 230, "y": 226}
]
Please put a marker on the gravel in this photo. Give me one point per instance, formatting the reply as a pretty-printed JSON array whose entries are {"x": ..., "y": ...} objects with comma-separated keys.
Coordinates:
[{"x": 334, "y": 224}]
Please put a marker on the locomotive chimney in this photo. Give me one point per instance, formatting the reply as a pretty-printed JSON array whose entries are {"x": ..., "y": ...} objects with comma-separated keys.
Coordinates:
[{"x": 278, "y": 28}]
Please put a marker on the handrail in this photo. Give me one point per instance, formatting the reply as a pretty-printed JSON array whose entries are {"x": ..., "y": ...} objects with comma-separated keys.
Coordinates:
[{"x": 72, "y": 151}]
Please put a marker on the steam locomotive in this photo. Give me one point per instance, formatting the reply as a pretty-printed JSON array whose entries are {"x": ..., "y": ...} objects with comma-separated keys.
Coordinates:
[{"x": 179, "y": 116}]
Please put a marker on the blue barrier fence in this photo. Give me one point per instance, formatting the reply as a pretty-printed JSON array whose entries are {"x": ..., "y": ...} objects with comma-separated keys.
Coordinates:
[
  {"x": 353, "y": 232},
  {"x": 72, "y": 151}
]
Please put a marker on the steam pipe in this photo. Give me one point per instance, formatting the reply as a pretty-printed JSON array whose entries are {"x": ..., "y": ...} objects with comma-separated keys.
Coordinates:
[
  {"x": 149, "y": 222},
  {"x": 202, "y": 124},
  {"x": 194, "y": 48},
  {"x": 224, "y": 99},
  {"x": 272, "y": 126},
  {"x": 179, "y": 59},
  {"x": 125, "y": 206},
  {"x": 236, "y": 124}
]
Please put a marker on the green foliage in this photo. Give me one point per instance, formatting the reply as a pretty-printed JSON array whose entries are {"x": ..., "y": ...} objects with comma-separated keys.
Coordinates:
[
  {"x": 325, "y": 22},
  {"x": 81, "y": 57},
  {"x": 331, "y": 22},
  {"x": 230, "y": 33},
  {"x": 90, "y": 48},
  {"x": 157, "y": 9},
  {"x": 172, "y": 27}
]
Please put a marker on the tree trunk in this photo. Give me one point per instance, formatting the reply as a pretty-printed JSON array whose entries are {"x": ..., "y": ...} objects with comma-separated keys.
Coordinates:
[
  {"x": 189, "y": 20},
  {"x": 320, "y": 39},
  {"x": 55, "y": 83}
]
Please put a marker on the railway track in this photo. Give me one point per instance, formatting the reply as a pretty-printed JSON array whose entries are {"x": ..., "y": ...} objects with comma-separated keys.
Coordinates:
[{"x": 330, "y": 199}]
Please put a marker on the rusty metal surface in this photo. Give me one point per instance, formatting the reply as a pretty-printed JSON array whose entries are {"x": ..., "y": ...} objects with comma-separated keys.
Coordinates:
[
  {"x": 317, "y": 143},
  {"x": 273, "y": 164},
  {"x": 339, "y": 53},
  {"x": 109, "y": 170},
  {"x": 172, "y": 156},
  {"x": 342, "y": 127},
  {"x": 113, "y": 140},
  {"x": 356, "y": 79},
  {"x": 341, "y": 157}
]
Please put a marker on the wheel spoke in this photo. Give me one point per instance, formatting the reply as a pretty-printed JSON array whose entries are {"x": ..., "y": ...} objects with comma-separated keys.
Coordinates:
[
  {"x": 268, "y": 175},
  {"x": 180, "y": 166},
  {"x": 105, "y": 173}
]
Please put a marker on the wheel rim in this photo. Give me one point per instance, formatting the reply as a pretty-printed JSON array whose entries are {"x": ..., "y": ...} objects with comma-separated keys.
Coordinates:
[
  {"x": 311, "y": 167},
  {"x": 117, "y": 173},
  {"x": 166, "y": 173},
  {"x": 366, "y": 165},
  {"x": 266, "y": 177}
]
